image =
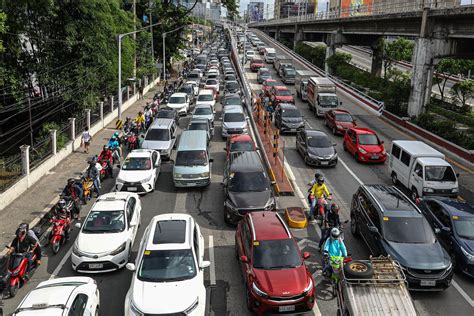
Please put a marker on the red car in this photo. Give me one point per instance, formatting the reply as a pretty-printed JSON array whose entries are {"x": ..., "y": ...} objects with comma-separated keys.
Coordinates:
[
  {"x": 239, "y": 143},
  {"x": 256, "y": 64},
  {"x": 281, "y": 94},
  {"x": 339, "y": 121},
  {"x": 364, "y": 144},
  {"x": 276, "y": 277}
]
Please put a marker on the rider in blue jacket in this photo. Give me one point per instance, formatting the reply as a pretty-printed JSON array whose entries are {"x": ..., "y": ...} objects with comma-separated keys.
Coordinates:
[{"x": 334, "y": 246}]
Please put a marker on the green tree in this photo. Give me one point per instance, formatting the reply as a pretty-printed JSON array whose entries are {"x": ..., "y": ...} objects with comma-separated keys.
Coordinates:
[
  {"x": 338, "y": 60},
  {"x": 399, "y": 49},
  {"x": 462, "y": 92},
  {"x": 446, "y": 69}
]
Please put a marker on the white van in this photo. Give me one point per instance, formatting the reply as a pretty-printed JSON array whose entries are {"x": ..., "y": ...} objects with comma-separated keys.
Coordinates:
[
  {"x": 269, "y": 54},
  {"x": 422, "y": 169}
]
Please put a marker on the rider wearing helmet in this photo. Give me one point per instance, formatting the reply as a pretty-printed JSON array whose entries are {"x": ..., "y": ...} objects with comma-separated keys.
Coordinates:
[
  {"x": 331, "y": 220},
  {"x": 106, "y": 155},
  {"x": 74, "y": 192},
  {"x": 93, "y": 173},
  {"x": 115, "y": 145},
  {"x": 334, "y": 245},
  {"x": 23, "y": 243},
  {"x": 140, "y": 118},
  {"x": 318, "y": 190}
]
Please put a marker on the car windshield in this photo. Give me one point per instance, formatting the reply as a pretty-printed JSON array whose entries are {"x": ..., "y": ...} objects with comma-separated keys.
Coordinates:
[
  {"x": 167, "y": 265},
  {"x": 290, "y": 71},
  {"x": 159, "y": 134},
  {"x": 271, "y": 54},
  {"x": 205, "y": 97},
  {"x": 272, "y": 83},
  {"x": 265, "y": 74},
  {"x": 283, "y": 92},
  {"x": 228, "y": 78},
  {"x": 248, "y": 182},
  {"x": 344, "y": 118},
  {"x": 191, "y": 158},
  {"x": 232, "y": 85},
  {"x": 137, "y": 163},
  {"x": 439, "y": 173},
  {"x": 275, "y": 254},
  {"x": 328, "y": 101},
  {"x": 193, "y": 75},
  {"x": 413, "y": 230},
  {"x": 234, "y": 117},
  {"x": 198, "y": 126},
  {"x": 104, "y": 222},
  {"x": 177, "y": 100},
  {"x": 232, "y": 101},
  {"x": 211, "y": 82},
  {"x": 186, "y": 89},
  {"x": 241, "y": 146},
  {"x": 464, "y": 227},
  {"x": 290, "y": 113},
  {"x": 165, "y": 114},
  {"x": 368, "y": 139},
  {"x": 319, "y": 141},
  {"x": 203, "y": 111}
]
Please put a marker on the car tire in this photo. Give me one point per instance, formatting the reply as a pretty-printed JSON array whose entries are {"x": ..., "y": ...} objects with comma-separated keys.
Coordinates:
[
  {"x": 394, "y": 178},
  {"x": 13, "y": 289},
  {"x": 344, "y": 146},
  {"x": 414, "y": 194},
  {"x": 306, "y": 159},
  {"x": 354, "y": 229},
  {"x": 358, "y": 270}
]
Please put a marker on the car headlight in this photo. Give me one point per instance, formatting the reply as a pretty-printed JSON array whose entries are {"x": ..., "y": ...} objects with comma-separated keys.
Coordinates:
[
  {"x": 258, "y": 291},
  {"x": 309, "y": 287},
  {"x": 177, "y": 175},
  {"x": 455, "y": 190},
  {"x": 119, "y": 249},
  {"x": 134, "y": 310},
  {"x": 428, "y": 190},
  {"x": 362, "y": 150},
  {"x": 193, "y": 306},
  {"x": 383, "y": 152},
  {"x": 76, "y": 251},
  {"x": 205, "y": 174},
  {"x": 146, "y": 179},
  {"x": 468, "y": 255},
  {"x": 120, "y": 181},
  {"x": 339, "y": 127}
]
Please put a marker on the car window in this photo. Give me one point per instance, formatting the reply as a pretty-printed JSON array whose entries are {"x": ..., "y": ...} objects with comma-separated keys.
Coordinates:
[
  {"x": 154, "y": 157},
  {"x": 102, "y": 222},
  {"x": 275, "y": 254},
  {"x": 419, "y": 170},
  {"x": 368, "y": 139},
  {"x": 405, "y": 158},
  {"x": 78, "y": 305},
  {"x": 369, "y": 209},
  {"x": 440, "y": 173},
  {"x": 439, "y": 213},
  {"x": 413, "y": 230}
]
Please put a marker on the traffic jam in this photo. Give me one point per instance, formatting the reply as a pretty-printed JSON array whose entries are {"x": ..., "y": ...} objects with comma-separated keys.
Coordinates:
[{"x": 193, "y": 210}]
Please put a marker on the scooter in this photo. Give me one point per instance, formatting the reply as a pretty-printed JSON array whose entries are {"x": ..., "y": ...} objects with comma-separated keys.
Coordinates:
[
  {"x": 132, "y": 141},
  {"x": 88, "y": 188},
  {"x": 58, "y": 234},
  {"x": 17, "y": 267},
  {"x": 105, "y": 171}
]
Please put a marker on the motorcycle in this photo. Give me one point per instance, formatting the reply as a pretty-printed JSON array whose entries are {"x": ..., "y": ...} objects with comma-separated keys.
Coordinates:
[
  {"x": 332, "y": 269},
  {"x": 132, "y": 141},
  {"x": 105, "y": 171},
  {"x": 88, "y": 188},
  {"x": 322, "y": 206},
  {"x": 18, "y": 266},
  {"x": 58, "y": 234}
]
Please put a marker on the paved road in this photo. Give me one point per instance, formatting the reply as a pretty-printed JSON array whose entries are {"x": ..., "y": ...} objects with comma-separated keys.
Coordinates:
[{"x": 346, "y": 177}]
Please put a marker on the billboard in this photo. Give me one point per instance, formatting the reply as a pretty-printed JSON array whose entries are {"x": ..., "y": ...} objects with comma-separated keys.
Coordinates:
[
  {"x": 356, "y": 7},
  {"x": 255, "y": 11},
  {"x": 321, "y": 6}
]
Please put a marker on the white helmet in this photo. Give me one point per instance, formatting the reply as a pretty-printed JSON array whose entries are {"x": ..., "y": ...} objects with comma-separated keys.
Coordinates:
[{"x": 335, "y": 233}]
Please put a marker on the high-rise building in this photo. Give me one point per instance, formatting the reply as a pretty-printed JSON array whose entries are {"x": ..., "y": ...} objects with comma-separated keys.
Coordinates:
[{"x": 255, "y": 11}]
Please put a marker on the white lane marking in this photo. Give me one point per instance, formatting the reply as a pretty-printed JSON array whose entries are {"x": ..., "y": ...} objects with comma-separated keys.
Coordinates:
[
  {"x": 463, "y": 293},
  {"x": 212, "y": 269},
  {"x": 61, "y": 264},
  {"x": 180, "y": 202}
]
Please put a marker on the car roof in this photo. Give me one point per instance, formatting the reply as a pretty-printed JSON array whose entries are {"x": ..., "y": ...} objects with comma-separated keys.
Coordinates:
[
  {"x": 233, "y": 109},
  {"x": 232, "y": 96},
  {"x": 340, "y": 111},
  {"x": 453, "y": 206},
  {"x": 170, "y": 231},
  {"x": 248, "y": 161},
  {"x": 240, "y": 138},
  {"x": 112, "y": 201},
  {"x": 430, "y": 161},
  {"x": 392, "y": 201},
  {"x": 203, "y": 105},
  {"x": 232, "y": 81},
  {"x": 363, "y": 130},
  {"x": 287, "y": 106},
  {"x": 206, "y": 91},
  {"x": 280, "y": 88},
  {"x": 161, "y": 123},
  {"x": 415, "y": 147},
  {"x": 315, "y": 132},
  {"x": 263, "y": 69},
  {"x": 193, "y": 140},
  {"x": 268, "y": 226},
  {"x": 198, "y": 120},
  {"x": 140, "y": 153}
]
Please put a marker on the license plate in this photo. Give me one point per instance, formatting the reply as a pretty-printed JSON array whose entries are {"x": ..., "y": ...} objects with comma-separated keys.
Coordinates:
[
  {"x": 324, "y": 163},
  {"x": 131, "y": 189},
  {"x": 428, "y": 283},
  {"x": 96, "y": 265},
  {"x": 288, "y": 308},
  {"x": 375, "y": 157}
]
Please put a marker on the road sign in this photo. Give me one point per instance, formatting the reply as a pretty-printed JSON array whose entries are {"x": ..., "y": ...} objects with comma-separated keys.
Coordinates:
[{"x": 119, "y": 124}]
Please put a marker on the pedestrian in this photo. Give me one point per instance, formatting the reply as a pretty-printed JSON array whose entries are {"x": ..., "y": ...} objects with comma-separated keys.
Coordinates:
[{"x": 86, "y": 139}]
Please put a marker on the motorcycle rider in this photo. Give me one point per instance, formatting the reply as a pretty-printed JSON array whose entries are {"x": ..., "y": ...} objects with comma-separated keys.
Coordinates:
[
  {"x": 334, "y": 247},
  {"x": 23, "y": 243},
  {"x": 148, "y": 115},
  {"x": 75, "y": 193},
  {"x": 140, "y": 120},
  {"x": 60, "y": 212},
  {"x": 106, "y": 155},
  {"x": 127, "y": 125},
  {"x": 318, "y": 190},
  {"x": 331, "y": 220},
  {"x": 93, "y": 173},
  {"x": 114, "y": 145}
]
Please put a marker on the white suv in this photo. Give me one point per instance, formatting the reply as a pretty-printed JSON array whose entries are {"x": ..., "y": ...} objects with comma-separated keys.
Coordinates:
[
  {"x": 168, "y": 278},
  {"x": 180, "y": 102}
]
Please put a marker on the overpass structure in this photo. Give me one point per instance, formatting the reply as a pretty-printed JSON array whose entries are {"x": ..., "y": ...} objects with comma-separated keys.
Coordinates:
[{"x": 440, "y": 28}]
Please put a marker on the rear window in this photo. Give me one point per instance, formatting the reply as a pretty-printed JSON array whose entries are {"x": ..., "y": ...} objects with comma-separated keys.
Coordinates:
[
  {"x": 205, "y": 97},
  {"x": 396, "y": 151},
  {"x": 393, "y": 200},
  {"x": 283, "y": 92},
  {"x": 177, "y": 100},
  {"x": 234, "y": 117},
  {"x": 158, "y": 134},
  {"x": 170, "y": 232}
]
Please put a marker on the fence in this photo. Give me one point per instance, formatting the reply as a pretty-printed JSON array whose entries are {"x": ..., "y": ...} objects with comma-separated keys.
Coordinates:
[{"x": 10, "y": 171}]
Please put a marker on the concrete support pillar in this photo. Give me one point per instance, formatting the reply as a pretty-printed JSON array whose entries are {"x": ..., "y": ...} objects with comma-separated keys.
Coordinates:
[
  {"x": 53, "y": 142},
  {"x": 111, "y": 103},
  {"x": 73, "y": 128},
  {"x": 332, "y": 40},
  {"x": 101, "y": 111},
  {"x": 88, "y": 118},
  {"x": 426, "y": 50},
  {"x": 299, "y": 35},
  {"x": 25, "y": 159},
  {"x": 377, "y": 57},
  {"x": 330, "y": 50}
]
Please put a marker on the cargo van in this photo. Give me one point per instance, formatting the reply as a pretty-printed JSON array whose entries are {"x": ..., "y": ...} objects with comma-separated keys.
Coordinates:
[
  {"x": 422, "y": 169},
  {"x": 192, "y": 166},
  {"x": 301, "y": 82},
  {"x": 269, "y": 54}
]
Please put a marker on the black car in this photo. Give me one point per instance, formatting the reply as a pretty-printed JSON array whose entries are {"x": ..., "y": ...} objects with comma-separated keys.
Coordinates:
[
  {"x": 263, "y": 74},
  {"x": 391, "y": 224},
  {"x": 246, "y": 185},
  {"x": 168, "y": 113},
  {"x": 231, "y": 87},
  {"x": 316, "y": 148},
  {"x": 288, "y": 118},
  {"x": 453, "y": 222}
]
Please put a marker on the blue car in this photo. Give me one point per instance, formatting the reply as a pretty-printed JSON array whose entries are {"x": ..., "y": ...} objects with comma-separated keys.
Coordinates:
[{"x": 453, "y": 222}]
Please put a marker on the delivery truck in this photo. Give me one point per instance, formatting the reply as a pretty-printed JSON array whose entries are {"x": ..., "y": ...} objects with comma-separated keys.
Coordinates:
[
  {"x": 301, "y": 82},
  {"x": 321, "y": 94}
]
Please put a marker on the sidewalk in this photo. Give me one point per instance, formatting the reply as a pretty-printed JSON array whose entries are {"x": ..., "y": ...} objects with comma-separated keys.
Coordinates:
[{"x": 44, "y": 194}]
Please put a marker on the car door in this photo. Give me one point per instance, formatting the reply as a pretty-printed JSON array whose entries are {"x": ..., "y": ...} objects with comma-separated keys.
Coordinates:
[
  {"x": 247, "y": 249},
  {"x": 198, "y": 245},
  {"x": 417, "y": 177},
  {"x": 79, "y": 305},
  {"x": 364, "y": 220},
  {"x": 132, "y": 218},
  {"x": 353, "y": 143},
  {"x": 439, "y": 219},
  {"x": 331, "y": 119}
]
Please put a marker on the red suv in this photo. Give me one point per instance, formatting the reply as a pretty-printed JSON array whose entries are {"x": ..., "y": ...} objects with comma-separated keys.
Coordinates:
[
  {"x": 275, "y": 274},
  {"x": 364, "y": 145},
  {"x": 339, "y": 121},
  {"x": 256, "y": 64},
  {"x": 281, "y": 94}
]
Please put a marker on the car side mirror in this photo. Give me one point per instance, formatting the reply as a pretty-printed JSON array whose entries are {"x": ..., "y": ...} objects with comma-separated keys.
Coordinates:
[
  {"x": 78, "y": 225},
  {"x": 457, "y": 175},
  {"x": 244, "y": 259},
  {"x": 373, "y": 229},
  {"x": 306, "y": 255},
  {"x": 130, "y": 266},
  {"x": 446, "y": 229},
  {"x": 382, "y": 142},
  {"x": 157, "y": 164}
]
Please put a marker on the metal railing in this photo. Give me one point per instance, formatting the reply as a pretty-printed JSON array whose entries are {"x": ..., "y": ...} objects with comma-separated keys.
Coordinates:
[
  {"x": 373, "y": 9},
  {"x": 10, "y": 171}
]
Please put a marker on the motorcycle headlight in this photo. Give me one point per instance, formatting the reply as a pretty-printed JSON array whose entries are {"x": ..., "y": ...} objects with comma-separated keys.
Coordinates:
[
  {"x": 309, "y": 287},
  {"x": 76, "y": 251},
  {"x": 146, "y": 179},
  {"x": 362, "y": 150},
  {"x": 134, "y": 309},
  {"x": 468, "y": 255},
  {"x": 258, "y": 291},
  {"x": 193, "y": 306},
  {"x": 119, "y": 249}
]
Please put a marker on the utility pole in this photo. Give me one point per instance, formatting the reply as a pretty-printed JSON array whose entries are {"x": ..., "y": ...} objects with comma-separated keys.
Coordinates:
[
  {"x": 164, "y": 46},
  {"x": 135, "y": 38},
  {"x": 151, "y": 30}
]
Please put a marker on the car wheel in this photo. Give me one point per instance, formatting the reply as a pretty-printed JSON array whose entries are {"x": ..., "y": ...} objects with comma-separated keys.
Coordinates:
[
  {"x": 306, "y": 159},
  {"x": 394, "y": 178},
  {"x": 358, "y": 270},
  {"x": 13, "y": 289},
  {"x": 414, "y": 193},
  {"x": 344, "y": 146},
  {"x": 247, "y": 298},
  {"x": 354, "y": 228}
]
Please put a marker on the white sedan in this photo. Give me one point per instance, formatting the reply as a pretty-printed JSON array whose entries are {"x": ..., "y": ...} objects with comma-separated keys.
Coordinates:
[
  {"x": 139, "y": 171},
  {"x": 62, "y": 296},
  {"x": 106, "y": 237}
]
